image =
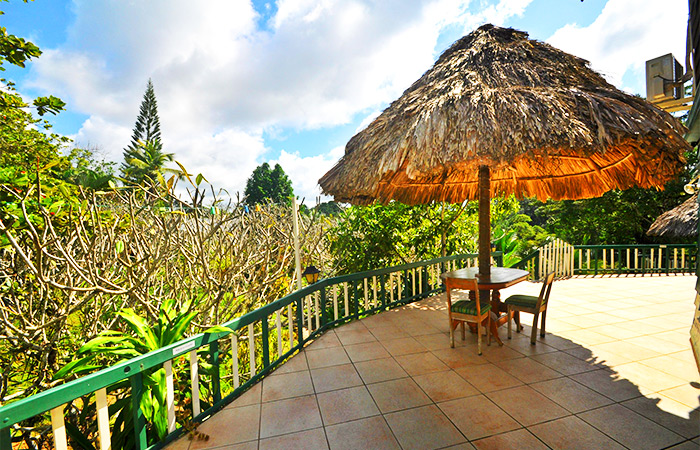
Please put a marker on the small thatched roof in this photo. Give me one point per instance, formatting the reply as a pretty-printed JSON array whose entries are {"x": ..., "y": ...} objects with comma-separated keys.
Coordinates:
[
  {"x": 546, "y": 124},
  {"x": 681, "y": 221}
]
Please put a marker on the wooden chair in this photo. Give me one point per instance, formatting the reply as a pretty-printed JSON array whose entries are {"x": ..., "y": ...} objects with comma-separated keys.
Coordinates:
[
  {"x": 530, "y": 304},
  {"x": 467, "y": 311}
]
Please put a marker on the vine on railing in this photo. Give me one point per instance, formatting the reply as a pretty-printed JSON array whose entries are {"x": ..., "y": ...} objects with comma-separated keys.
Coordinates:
[{"x": 210, "y": 370}]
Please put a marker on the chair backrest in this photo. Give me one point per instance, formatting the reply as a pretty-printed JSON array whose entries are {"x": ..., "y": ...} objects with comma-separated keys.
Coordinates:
[
  {"x": 546, "y": 289},
  {"x": 468, "y": 284}
]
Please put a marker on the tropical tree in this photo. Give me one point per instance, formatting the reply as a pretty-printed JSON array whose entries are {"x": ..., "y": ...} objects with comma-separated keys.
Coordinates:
[
  {"x": 268, "y": 185},
  {"x": 144, "y": 157}
]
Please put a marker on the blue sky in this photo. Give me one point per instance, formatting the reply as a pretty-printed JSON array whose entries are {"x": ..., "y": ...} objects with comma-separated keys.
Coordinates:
[{"x": 289, "y": 81}]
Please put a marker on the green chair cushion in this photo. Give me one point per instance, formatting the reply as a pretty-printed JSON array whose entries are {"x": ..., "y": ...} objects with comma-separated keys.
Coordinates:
[
  {"x": 527, "y": 301},
  {"x": 469, "y": 307}
]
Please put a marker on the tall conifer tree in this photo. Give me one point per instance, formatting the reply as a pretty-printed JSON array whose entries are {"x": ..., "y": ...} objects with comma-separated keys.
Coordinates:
[{"x": 144, "y": 156}]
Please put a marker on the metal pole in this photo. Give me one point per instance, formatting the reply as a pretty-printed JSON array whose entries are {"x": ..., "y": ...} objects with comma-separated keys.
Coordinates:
[{"x": 297, "y": 257}]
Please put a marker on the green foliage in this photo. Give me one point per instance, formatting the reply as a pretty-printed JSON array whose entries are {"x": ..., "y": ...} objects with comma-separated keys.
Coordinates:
[
  {"x": 328, "y": 208},
  {"x": 144, "y": 158},
  {"x": 268, "y": 185},
  {"x": 87, "y": 171}
]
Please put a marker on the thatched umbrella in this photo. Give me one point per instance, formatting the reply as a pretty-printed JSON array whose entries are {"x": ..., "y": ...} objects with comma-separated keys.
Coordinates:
[
  {"x": 499, "y": 113},
  {"x": 681, "y": 221}
]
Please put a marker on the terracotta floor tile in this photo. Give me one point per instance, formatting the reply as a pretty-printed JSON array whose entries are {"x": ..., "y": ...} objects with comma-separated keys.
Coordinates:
[
  {"x": 378, "y": 370},
  {"x": 250, "y": 445},
  {"x": 335, "y": 377},
  {"x": 462, "y": 446},
  {"x": 572, "y": 396},
  {"x": 356, "y": 336},
  {"x": 289, "y": 416},
  {"x": 181, "y": 443},
  {"x": 443, "y": 386},
  {"x": 252, "y": 396},
  {"x": 609, "y": 384},
  {"x": 423, "y": 428},
  {"x": 366, "y": 351},
  {"x": 388, "y": 332},
  {"x": 328, "y": 340},
  {"x": 558, "y": 342},
  {"x": 687, "y": 445},
  {"x": 488, "y": 377},
  {"x": 572, "y": 433},
  {"x": 398, "y": 394},
  {"x": 628, "y": 349},
  {"x": 403, "y": 346},
  {"x": 494, "y": 353},
  {"x": 326, "y": 357},
  {"x": 686, "y": 394},
  {"x": 286, "y": 385},
  {"x": 421, "y": 363},
  {"x": 564, "y": 363},
  {"x": 303, "y": 440},
  {"x": 229, "y": 426},
  {"x": 675, "y": 416},
  {"x": 586, "y": 337},
  {"x": 478, "y": 417},
  {"x": 346, "y": 404},
  {"x": 522, "y": 345},
  {"x": 630, "y": 429},
  {"x": 528, "y": 370},
  {"x": 597, "y": 357},
  {"x": 655, "y": 344},
  {"x": 371, "y": 433},
  {"x": 439, "y": 341},
  {"x": 518, "y": 439},
  {"x": 296, "y": 363},
  {"x": 526, "y": 405},
  {"x": 460, "y": 357},
  {"x": 648, "y": 377}
]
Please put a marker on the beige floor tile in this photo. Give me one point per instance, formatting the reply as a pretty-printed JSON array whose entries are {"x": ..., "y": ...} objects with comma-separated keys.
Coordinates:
[
  {"x": 648, "y": 377},
  {"x": 597, "y": 357},
  {"x": 328, "y": 340},
  {"x": 252, "y": 396},
  {"x": 528, "y": 370},
  {"x": 289, "y": 416},
  {"x": 366, "y": 351},
  {"x": 518, "y": 439},
  {"x": 355, "y": 336},
  {"x": 286, "y": 385},
  {"x": 303, "y": 440},
  {"x": 443, "y": 386},
  {"x": 488, "y": 377},
  {"x": 326, "y": 357},
  {"x": 657, "y": 345},
  {"x": 423, "y": 428},
  {"x": 630, "y": 429},
  {"x": 572, "y": 433},
  {"x": 250, "y": 445},
  {"x": 421, "y": 363},
  {"x": 586, "y": 337},
  {"x": 572, "y": 396},
  {"x": 378, "y": 370},
  {"x": 460, "y": 357},
  {"x": 617, "y": 332},
  {"x": 522, "y": 344},
  {"x": 403, "y": 346},
  {"x": 558, "y": 342},
  {"x": 181, "y": 443},
  {"x": 684, "y": 369},
  {"x": 230, "y": 426},
  {"x": 335, "y": 377},
  {"x": 686, "y": 394},
  {"x": 669, "y": 413},
  {"x": 346, "y": 404},
  {"x": 477, "y": 417},
  {"x": 398, "y": 394},
  {"x": 526, "y": 405},
  {"x": 371, "y": 433},
  {"x": 608, "y": 384},
  {"x": 296, "y": 363},
  {"x": 564, "y": 363}
]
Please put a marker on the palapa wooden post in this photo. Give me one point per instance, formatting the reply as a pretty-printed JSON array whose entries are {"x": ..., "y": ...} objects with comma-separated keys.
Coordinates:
[{"x": 484, "y": 221}]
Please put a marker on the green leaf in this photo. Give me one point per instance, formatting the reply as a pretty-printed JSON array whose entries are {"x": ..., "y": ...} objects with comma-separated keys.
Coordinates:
[
  {"x": 72, "y": 366},
  {"x": 119, "y": 246},
  {"x": 140, "y": 327},
  {"x": 76, "y": 435},
  {"x": 218, "y": 329}
]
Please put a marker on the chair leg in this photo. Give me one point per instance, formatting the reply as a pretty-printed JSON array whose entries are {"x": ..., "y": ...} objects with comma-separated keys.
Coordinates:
[
  {"x": 488, "y": 331},
  {"x": 452, "y": 334},
  {"x": 518, "y": 327},
  {"x": 510, "y": 318},
  {"x": 533, "y": 336},
  {"x": 544, "y": 317},
  {"x": 464, "y": 332},
  {"x": 478, "y": 334}
]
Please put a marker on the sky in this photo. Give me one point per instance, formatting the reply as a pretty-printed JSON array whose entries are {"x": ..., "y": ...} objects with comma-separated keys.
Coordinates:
[{"x": 242, "y": 82}]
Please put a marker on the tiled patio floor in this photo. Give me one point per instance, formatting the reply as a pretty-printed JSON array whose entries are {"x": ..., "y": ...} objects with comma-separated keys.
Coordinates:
[{"x": 614, "y": 371}]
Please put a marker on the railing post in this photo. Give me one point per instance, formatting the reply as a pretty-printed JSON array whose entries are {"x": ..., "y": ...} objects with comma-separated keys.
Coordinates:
[
  {"x": 323, "y": 306},
  {"x": 215, "y": 374},
  {"x": 382, "y": 281},
  {"x": 355, "y": 306},
  {"x": 300, "y": 321},
  {"x": 595, "y": 266},
  {"x": 405, "y": 285},
  {"x": 140, "y": 440},
  {"x": 5, "y": 438}
]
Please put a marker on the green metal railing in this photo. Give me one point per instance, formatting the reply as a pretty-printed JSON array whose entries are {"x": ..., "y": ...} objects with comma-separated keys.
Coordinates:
[
  {"x": 620, "y": 259},
  {"x": 270, "y": 335}
]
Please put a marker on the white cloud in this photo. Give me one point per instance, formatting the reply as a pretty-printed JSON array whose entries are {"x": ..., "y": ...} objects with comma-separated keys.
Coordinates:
[
  {"x": 625, "y": 35},
  {"x": 221, "y": 79},
  {"x": 305, "y": 172}
]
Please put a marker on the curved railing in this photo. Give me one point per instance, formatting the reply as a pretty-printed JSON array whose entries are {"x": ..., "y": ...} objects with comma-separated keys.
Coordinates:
[{"x": 265, "y": 337}]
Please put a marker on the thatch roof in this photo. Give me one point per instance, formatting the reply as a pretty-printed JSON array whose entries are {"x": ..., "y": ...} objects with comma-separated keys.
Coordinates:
[
  {"x": 681, "y": 221},
  {"x": 546, "y": 124}
]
